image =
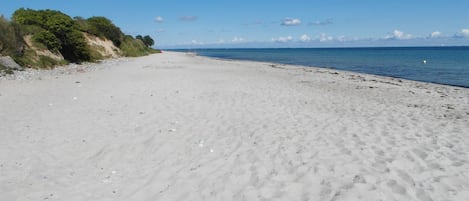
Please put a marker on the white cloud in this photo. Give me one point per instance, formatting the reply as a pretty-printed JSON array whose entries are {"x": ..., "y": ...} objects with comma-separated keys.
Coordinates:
[
  {"x": 237, "y": 39},
  {"x": 321, "y": 23},
  {"x": 464, "y": 33},
  {"x": 188, "y": 18},
  {"x": 342, "y": 38},
  {"x": 195, "y": 42},
  {"x": 290, "y": 22},
  {"x": 305, "y": 38},
  {"x": 435, "y": 34},
  {"x": 324, "y": 37},
  {"x": 398, "y": 35},
  {"x": 159, "y": 19},
  {"x": 283, "y": 39}
]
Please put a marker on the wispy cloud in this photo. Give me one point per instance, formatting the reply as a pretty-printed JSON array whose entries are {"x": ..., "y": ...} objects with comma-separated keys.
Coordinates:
[
  {"x": 305, "y": 38},
  {"x": 291, "y": 22},
  {"x": 254, "y": 23},
  {"x": 159, "y": 19},
  {"x": 283, "y": 39},
  {"x": 237, "y": 40},
  {"x": 324, "y": 37},
  {"x": 464, "y": 33},
  {"x": 343, "y": 39},
  {"x": 188, "y": 18},
  {"x": 327, "y": 21},
  {"x": 435, "y": 34},
  {"x": 195, "y": 42},
  {"x": 398, "y": 35}
]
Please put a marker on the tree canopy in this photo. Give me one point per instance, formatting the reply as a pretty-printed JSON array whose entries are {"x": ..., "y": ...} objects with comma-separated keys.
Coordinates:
[{"x": 147, "y": 40}]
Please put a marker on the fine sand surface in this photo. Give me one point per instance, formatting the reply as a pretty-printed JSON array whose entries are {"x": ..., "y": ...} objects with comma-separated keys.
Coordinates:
[{"x": 173, "y": 126}]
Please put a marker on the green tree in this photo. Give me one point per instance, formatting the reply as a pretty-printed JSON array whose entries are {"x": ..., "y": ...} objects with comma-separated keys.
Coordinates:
[{"x": 148, "y": 41}]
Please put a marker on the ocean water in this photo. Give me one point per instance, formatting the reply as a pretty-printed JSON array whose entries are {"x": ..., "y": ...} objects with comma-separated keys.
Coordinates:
[{"x": 443, "y": 65}]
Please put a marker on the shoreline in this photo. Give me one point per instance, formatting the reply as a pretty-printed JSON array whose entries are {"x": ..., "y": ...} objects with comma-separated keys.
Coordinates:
[
  {"x": 29, "y": 73},
  {"x": 414, "y": 65},
  {"x": 325, "y": 68},
  {"x": 171, "y": 126}
]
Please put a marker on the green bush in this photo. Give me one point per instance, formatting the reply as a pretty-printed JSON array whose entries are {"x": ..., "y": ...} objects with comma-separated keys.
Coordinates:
[
  {"x": 11, "y": 42},
  {"x": 49, "y": 40},
  {"x": 29, "y": 29},
  {"x": 47, "y": 62},
  {"x": 94, "y": 53},
  {"x": 81, "y": 23},
  {"x": 6, "y": 36},
  {"x": 75, "y": 48},
  {"x": 72, "y": 43},
  {"x": 28, "y": 17},
  {"x": 32, "y": 60},
  {"x": 133, "y": 47},
  {"x": 104, "y": 28},
  {"x": 58, "y": 32}
]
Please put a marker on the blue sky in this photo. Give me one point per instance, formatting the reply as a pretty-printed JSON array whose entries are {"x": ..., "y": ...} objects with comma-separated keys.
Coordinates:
[{"x": 269, "y": 23}]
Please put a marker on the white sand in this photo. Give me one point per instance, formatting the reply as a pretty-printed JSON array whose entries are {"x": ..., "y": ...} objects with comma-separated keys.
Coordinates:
[{"x": 177, "y": 127}]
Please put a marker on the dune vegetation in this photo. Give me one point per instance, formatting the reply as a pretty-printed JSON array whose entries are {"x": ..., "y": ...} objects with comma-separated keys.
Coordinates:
[{"x": 47, "y": 38}]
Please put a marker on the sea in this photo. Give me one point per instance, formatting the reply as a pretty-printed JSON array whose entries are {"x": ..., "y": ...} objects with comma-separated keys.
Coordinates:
[{"x": 442, "y": 65}]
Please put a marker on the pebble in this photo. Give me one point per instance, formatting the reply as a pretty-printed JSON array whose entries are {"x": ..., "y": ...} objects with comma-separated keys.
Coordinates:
[
  {"x": 201, "y": 143},
  {"x": 32, "y": 74}
]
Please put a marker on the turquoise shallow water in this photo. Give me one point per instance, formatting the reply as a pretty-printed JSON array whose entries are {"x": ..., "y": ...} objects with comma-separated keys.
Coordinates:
[{"x": 444, "y": 65}]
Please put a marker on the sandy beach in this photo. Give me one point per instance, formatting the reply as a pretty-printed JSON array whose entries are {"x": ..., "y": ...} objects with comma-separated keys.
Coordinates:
[{"x": 174, "y": 126}]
